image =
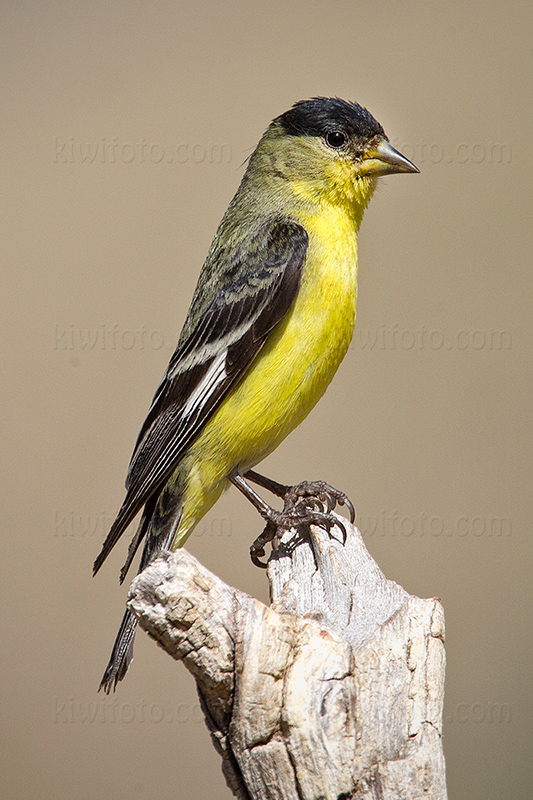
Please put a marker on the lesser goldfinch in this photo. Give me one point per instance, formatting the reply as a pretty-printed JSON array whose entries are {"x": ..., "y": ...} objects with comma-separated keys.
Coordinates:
[{"x": 271, "y": 319}]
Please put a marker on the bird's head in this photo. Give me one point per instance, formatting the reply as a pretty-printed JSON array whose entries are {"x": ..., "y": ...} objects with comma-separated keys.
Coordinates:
[{"x": 329, "y": 149}]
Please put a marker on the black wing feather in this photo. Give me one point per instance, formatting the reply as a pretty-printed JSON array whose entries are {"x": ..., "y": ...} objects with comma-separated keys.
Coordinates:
[{"x": 265, "y": 276}]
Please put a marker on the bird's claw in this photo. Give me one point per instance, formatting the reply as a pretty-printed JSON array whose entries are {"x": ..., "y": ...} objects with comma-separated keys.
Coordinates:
[
  {"x": 322, "y": 492},
  {"x": 257, "y": 549},
  {"x": 307, "y": 503},
  {"x": 255, "y": 556}
]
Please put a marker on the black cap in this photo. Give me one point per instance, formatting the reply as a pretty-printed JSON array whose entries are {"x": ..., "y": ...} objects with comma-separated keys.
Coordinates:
[{"x": 320, "y": 115}]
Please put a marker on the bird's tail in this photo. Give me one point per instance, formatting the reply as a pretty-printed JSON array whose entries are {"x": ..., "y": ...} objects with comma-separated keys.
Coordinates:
[
  {"x": 122, "y": 653},
  {"x": 160, "y": 522}
]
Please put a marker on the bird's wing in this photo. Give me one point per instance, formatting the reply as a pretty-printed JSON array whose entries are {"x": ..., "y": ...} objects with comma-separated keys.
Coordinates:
[{"x": 260, "y": 281}]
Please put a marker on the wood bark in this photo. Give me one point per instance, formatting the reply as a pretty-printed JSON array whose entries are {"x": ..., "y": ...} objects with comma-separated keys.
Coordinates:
[{"x": 335, "y": 691}]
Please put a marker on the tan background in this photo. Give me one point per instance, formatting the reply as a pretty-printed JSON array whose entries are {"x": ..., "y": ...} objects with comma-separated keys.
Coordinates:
[{"x": 426, "y": 425}]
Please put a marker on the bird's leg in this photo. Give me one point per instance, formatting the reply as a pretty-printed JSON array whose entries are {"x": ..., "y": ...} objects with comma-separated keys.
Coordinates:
[
  {"x": 308, "y": 503},
  {"x": 279, "y": 489}
]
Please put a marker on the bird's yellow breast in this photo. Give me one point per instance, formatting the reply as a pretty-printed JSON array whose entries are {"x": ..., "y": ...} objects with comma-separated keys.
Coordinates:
[
  {"x": 301, "y": 355},
  {"x": 290, "y": 374}
]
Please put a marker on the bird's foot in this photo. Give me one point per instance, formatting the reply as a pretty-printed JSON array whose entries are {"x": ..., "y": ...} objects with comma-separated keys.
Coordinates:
[
  {"x": 307, "y": 503},
  {"x": 318, "y": 494}
]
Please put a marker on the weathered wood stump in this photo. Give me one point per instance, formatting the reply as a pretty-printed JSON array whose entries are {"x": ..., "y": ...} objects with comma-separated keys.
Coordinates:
[{"x": 335, "y": 691}]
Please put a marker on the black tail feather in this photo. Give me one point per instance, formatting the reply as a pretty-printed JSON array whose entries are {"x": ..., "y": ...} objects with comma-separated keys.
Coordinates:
[
  {"x": 144, "y": 524},
  {"x": 160, "y": 522},
  {"x": 122, "y": 654},
  {"x": 126, "y": 515}
]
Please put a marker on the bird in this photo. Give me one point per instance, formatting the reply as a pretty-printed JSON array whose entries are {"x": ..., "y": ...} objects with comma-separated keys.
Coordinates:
[{"x": 270, "y": 321}]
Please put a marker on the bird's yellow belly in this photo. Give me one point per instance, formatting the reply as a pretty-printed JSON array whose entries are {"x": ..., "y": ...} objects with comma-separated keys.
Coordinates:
[{"x": 286, "y": 380}]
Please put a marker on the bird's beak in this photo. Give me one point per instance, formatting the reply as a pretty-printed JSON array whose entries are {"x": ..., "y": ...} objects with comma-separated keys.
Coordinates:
[{"x": 384, "y": 159}]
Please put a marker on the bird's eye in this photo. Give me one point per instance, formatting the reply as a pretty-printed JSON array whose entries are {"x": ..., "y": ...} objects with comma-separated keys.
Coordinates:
[{"x": 335, "y": 139}]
